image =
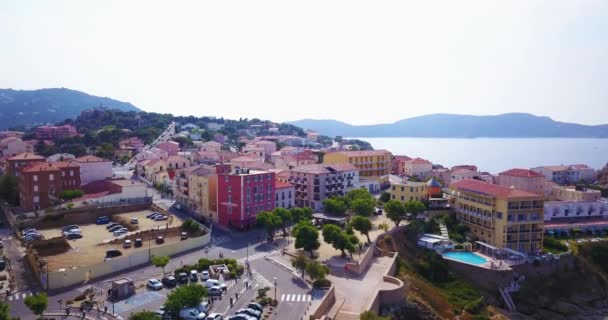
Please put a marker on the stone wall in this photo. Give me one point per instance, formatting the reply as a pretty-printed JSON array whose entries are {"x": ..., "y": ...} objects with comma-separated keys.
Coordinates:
[
  {"x": 485, "y": 279},
  {"x": 388, "y": 296},
  {"x": 546, "y": 268},
  {"x": 361, "y": 266},
  {"x": 86, "y": 215},
  {"x": 326, "y": 304}
]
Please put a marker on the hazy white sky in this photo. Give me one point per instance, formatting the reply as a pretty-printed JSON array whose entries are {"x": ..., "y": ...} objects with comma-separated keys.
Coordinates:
[{"x": 356, "y": 61}]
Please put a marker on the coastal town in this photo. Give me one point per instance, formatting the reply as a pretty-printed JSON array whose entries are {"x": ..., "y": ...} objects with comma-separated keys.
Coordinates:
[{"x": 225, "y": 219}]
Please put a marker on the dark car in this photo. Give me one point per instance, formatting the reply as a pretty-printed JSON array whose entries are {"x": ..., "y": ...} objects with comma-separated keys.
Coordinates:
[
  {"x": 150, "y": 215},
  {"x": 102, "y": 220},
  {"x": 160, "y": 240},
  {"x": 182, "y": 277},
  {"x": 138, "y": 243},
  {"x": 169, "y": 281},
  {"x": 255, "y": 306},
  {"x": 73, "y": 236},
  {"x": 113, "y": 224},
  {"x": 113, "y": 253},
  {"x": 116, "y": 227}
]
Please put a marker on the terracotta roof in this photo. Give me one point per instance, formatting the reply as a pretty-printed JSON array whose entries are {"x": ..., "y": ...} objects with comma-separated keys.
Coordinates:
[
  {"x": 40, "y": 166},
  {"x": 365, "y": 153},
  {"x": 324, "y": 168},
  {"x": 403, "y": 158},
  {"x": 90, "y": 158},
  {"x": 580, "y": 166},
  {"x": 177, "y": 159},
  {"x": 418, "y": 161},
  {"x": 65, "y": 164},
  {"x": 520, "y": 173},
  {"x": 27, "y": 156},
  {"x": 207, "y": 154},
  {"x": 152, "y": 162},
  {"x": 281, "y": 185},
  {"x": 556, "y": 168},
  {"x": 494, "y": 190},
  {"x": 342, "y": 167}
]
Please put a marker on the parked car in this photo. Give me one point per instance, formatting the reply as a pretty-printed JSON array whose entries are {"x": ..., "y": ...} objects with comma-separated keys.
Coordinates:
[
  {"x": 30, "y": 232},
  {"x": 24, "y": 231},
  {"x": 31, "y": 237},
  {"x": 116, "y": 227},
  {"x": 160, "y": 240},
  {"x": 154, "y": 284},
  {"x": 2, "y": 265},
  {"x": 113, "y": 253},
  {"x": 70, "y": 227},
  {"x": 256, "y": 306},
  {"x": 150, "y": 215},
  {"x": 77, "y": 231},
  {"x": 113, "y": 224},
  {"x": 205, "y": 275},
  {"x": 191, "y": 314},
  {"x": 120, "y": 232},
  {"x": 102, "y": 220},
  {"x": 134, "y": 221},
  {"x": 250, "y": 312},
  {"x": 193, "y": 276},
  {"x": 378, "y": 212},
  {"x": 73, "y": 236},
  {"x": 160, "y": 218},
  {"x": 240, "y": 317},
  {"x": 127, "y": 244},
  {"x": 169, "y": 281},
  {"x": 215, "y": 316},
  {"x": 215, "y": 283},
  {"x": 161, "y": 312},
  {"x": 203, "y": 307},
  {"x": 182, "y": 278},
  {"x": 184, "y": 235},
  {"x": 214, "y": 291},
  {"x": 138, "y": 243},
  {"x": 178, "y": 206}
]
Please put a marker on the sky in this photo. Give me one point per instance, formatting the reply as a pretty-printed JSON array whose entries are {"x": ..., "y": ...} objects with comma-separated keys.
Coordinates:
[{"x": 362, "y": 62}]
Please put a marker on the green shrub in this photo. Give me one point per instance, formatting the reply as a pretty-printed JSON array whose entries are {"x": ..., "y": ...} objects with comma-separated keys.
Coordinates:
[
  {"x": 459, "y": 246},
  {"x": 475, "y": 306},
  {"x": 70, "y": 194},
  {"x": 191, "y": 226},
  {"x": 324, "y": 283}
]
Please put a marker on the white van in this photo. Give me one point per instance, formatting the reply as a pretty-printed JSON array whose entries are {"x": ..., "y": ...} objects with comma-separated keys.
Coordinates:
[
  {"x": 191, "y": 314},
  {"x": 215, "y": 283},
  {"x": 203, "y": 307}
]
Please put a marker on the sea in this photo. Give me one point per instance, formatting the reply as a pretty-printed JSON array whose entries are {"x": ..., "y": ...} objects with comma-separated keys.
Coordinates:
[{"x": 495, "y": 155}]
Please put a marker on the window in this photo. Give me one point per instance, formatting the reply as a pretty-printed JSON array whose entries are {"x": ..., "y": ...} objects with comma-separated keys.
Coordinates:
[
  {"x": 498, "y": 215},
  {"x": 229, "y": 198},
  {"x": 411, "y": 189},
  {"x": 63, "y": 173},
  {"x": 521, "y": 217},
  {"x": 229, "y": 188},
  {"x": 51, "y": 177},
  {"x": 402, "y": 188},
  {"x": 393, "y": 196},
  {"x": 35, "y": 177},
  {"x": 393, "y": 188},
  {"x": 35, "y": 188},
  {"x": 402, "y": 198},
  {"x": 226, "y": 179},
  {"x": 36, "y": 199}
]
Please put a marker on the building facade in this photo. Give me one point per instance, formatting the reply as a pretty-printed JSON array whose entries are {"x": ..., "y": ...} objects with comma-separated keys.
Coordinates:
[
  {"x": 574, "y": 193},
  {"x": 54, "y": 132},
  {"x": 371, "y": 163},
  {"x": 571, "y": 211},
  {"x": 409, "y": 190},
  {"x": 196, "y": 189},
  {"x": 242, "y": 194},
  {"x": 284, "y": 195},
  {"x": 417, "y": 167},
  {"x": 567, "y": 174},
  {"x": 171, "y": 147},
  {"x": 501, "y": 216},
  {"x": 93, "y": 168},
  {"x": 317, "y": 182},
  {"x": 13, "y": 146},
  {"x": 399, "y": 164},
  {"x": 522, "y": 179},
  {"x": 20, "y": 161}
]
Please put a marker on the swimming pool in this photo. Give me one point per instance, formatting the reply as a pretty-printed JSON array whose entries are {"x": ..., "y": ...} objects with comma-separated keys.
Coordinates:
[{"x": 466, "y": 257}]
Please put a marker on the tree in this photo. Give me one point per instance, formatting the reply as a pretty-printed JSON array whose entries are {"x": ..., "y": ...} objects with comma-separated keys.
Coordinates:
[
  {"x": 334, "y": 206},
  {"x": 307, "y": 236},
  {"x": 414, "y": 207},
  {"x": 345, "y": 242},
  {"x": 385, "y": 197},
  {"x": 358, "y": 194},
  {"x": 362, "y": 207},
  {"x": 370, "y": 315},
  {"x": 363, "y": 225},
  {"x": 395, "y": 211},
  {"x": 160, "y": 262},
  {"x": 299, "y": 214},
  {"x": 5, "y": 312},
  {"x": 330, "y": 232},
  {"x": 316, "y": 271},
  {"x": 299, "y": 263},
  {"x": 9, "y": 189},
  {"x": 270, "y": 221},
  {"x": 285, "y": 216},
  {"x": 37, "y": 303},
  {"x": 144, "y": 315},
  {"x": 189, "y": 296}
]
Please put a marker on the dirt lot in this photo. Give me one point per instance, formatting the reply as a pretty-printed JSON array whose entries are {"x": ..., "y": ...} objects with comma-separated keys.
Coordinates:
[{"x": 97, "y": 240}]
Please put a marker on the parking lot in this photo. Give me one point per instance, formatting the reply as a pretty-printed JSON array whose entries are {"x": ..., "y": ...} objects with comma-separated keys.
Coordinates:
[{"x": 96, "y": 240}]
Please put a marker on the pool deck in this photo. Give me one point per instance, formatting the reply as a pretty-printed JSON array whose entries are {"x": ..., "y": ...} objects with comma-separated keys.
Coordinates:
[{"x": 491, "y": 263}]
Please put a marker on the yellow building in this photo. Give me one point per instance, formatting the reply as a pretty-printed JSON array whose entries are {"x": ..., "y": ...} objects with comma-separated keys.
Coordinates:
[
  {"x": 407, "y": 191},
  {"x": 196, "y": 189},
  {"x": 500, "y": 216},
  {"x": 371, "y": 163}
]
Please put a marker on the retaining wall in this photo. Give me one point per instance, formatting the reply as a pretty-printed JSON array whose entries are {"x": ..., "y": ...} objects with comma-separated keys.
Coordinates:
[
  {"x": 326, "y": 304},
  {"x": 388, "y": 296}
]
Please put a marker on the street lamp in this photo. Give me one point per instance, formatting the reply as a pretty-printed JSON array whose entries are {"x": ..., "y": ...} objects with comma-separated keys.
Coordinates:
[
  {"x": 60, "y": 305},
  {"x": 275, "y": 288}
]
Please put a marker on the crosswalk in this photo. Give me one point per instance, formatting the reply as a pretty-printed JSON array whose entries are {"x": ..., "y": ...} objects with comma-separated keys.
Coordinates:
[
  {"x": 296, "y": 297},
  {"x": 137, "y": 300},
  {"x": 260, "y": 279},
  {"x": 220, "y": 240},
  {"x": 257, "y": 256},
  {"x": 20, "y": 295},
  {"x": 88, "y": 287},
  {"x": 165, "y": 202}
]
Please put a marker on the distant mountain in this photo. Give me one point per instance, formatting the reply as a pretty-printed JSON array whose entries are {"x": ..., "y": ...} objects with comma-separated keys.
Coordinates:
[
  {"x": 23, "y": 107},
  {"x": 509, "y": 125}
]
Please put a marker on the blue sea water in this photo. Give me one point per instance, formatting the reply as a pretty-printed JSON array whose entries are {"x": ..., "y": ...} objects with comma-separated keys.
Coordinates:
[{"x": 495, "y": 155}]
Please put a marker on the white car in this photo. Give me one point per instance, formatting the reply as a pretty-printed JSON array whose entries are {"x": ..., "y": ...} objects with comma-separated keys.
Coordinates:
[
  {"x": 154, "y": 284},
  {"x": 75, "y": 231},
  {"x": 121, "y": 231},
  {"x": 215, "y": 316},
  {"x": 191, "y": 314},
  {"x": 205, "y": 275}
]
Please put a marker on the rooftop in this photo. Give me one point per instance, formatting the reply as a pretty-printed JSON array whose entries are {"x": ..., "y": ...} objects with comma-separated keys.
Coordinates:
[
  {"x": 365, "y": 153},
  {"x": 40, "y": 167},
  {"x": 418, "y": 161},
  {"x": 325, "y": 168},
  {"x": 281, "y": 185},
  {"x": 27, "y": 156},
  {"x": 521, "y": 173},
  {"x": 90, "y": 158},
  {"x": 493, "y": 190}
]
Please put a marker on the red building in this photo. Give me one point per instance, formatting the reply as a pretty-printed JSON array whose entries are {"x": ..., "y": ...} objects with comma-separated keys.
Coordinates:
[
  {"x": 40, "y": 183},
  {"x": 53, "y": 132},
  {"x": 20, "y": 161},
  {"x": 399, "y": 164},
  {"x": 243, "y": 193}
]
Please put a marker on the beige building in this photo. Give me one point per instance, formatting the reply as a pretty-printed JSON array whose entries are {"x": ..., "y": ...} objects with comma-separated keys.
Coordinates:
[
  {"x": 196, "y": 189},
  {"x": 317, "y": 182},
  {"x": 417, "y": 167},
  {"x": 500, "y": 216},
  {"x": 572, "y": 193},
  {"x": 12, "y": 146},
  {"x": 371, "y": 163},
  {"x": 522, "y": 179}
]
